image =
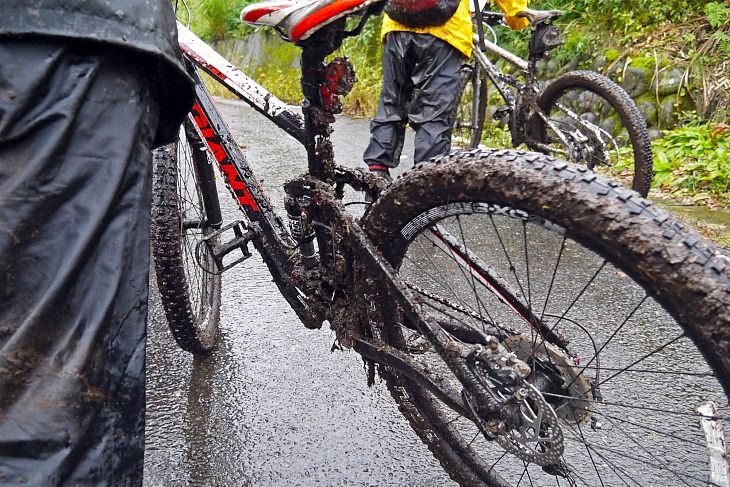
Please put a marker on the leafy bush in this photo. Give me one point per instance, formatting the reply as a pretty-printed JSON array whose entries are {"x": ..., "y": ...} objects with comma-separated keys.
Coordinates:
[
  {"x": 694, "y": 159},
  {"x": 212, "y": 20}
]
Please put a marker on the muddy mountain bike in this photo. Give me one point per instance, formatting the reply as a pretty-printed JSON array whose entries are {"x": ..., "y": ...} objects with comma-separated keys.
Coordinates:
[
  {"x": 536, "y": 324},
  {"x": 579, "y": 116}
]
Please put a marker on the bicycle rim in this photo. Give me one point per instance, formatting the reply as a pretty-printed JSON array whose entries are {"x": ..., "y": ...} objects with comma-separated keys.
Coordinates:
[{"x": 625, "y": 387}]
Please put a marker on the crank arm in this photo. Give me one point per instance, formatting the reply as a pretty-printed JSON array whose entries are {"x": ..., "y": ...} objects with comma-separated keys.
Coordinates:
[{"x": 414, "y": 370}]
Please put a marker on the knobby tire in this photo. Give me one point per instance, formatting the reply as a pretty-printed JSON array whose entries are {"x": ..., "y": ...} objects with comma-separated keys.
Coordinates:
[
  {"x": 641, "y": 248},
  {"x": 621, "y": 102},
  {"x": 191, "y": 295}
]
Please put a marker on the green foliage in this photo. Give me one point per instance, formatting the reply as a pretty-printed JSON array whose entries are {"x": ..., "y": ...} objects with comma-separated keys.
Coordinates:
[
  {"x": 364, "y": 51},
  {"x": 717, "y": 14},
  {"x": 280, "y": 73},
  {"x": 212, "y": 20},
  {"x": 694, "y": 159},
  {"x": 631, "y": 16}
]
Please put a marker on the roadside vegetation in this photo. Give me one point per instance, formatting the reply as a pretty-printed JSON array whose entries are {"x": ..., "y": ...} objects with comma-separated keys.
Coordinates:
[{"x": 685, "y": 40}]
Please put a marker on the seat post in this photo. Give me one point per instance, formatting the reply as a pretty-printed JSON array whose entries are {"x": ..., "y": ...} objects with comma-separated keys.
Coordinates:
[{"x": 317, "y": 118}]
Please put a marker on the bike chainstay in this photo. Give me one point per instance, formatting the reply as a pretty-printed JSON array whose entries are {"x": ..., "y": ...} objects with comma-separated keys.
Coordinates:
[{"x": 329, "y": 213}]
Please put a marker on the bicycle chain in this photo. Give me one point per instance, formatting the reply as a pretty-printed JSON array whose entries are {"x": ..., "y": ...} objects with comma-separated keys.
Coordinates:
[{"x": 461, "y": 309}]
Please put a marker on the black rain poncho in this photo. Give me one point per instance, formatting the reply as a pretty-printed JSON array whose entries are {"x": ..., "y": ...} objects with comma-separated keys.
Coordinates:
[{"x": 81, "y": 105}]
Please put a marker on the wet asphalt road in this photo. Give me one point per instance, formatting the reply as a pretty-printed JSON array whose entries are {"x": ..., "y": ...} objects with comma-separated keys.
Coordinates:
[{"x": 272, "y": 405}]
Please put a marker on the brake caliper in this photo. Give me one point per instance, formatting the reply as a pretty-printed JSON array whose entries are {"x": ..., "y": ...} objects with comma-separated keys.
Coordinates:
[{"x": 528, "y": 425}]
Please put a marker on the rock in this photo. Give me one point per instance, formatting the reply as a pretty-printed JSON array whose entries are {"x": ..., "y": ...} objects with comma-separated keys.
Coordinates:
[
  {"x": 611, "y": 124},
  {"x": 599, "y": 63},
  {"x": 541, "y": 68},
  {"x": 551, "y": 68},
  {"x": 649, "y": 111},
  {"x": 636, "y": 81},
  {"x": 669, "y": 81},
  {"x": 589, "y": 117},
  {"x": 667, "y": 112},
  {"x": 654, "y": 133}
]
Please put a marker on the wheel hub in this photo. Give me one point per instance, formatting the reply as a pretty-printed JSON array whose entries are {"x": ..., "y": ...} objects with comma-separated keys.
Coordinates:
[{"x": 556, "y": 376}]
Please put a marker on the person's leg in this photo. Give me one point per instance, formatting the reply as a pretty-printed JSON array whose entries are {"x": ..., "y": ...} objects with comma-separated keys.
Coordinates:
[
  {"x": 435, "y": 77},
  {"x": 76, "y": 128},
  {"x": 387, "y": 129}
]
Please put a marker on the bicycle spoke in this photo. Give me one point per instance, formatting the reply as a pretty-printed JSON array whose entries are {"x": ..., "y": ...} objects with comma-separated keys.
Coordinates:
[
  {"x": 626, "y": 320},
  {"x": 506, "y": 254},
  {"x": 653, "y": 352},
  {"x": 696, "y": 415},
  {"x": 441, "y": 279},
  {"x": 616, "y": 469},
  {"x": 653, "y": 457},
  {"x": 471, "y": 275}
]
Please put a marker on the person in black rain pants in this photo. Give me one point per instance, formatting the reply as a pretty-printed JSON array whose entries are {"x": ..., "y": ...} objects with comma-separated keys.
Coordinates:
[{"x": 87, "y": 89}]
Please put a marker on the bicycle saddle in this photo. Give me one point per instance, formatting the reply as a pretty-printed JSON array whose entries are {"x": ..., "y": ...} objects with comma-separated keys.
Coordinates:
[
  {"x": 537, "y": 16},
  {"x": 297, "y": 20}
]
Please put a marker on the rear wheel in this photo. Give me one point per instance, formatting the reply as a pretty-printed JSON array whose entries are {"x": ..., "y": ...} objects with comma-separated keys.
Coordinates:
[
  {"x": 640, "y": 308},
  {"x": 187, "y": 276},
  {"x": 593, "y": 121}
]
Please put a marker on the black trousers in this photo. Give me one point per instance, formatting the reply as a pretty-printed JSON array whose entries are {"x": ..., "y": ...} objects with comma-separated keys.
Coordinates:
[
  {"x": 420, "y": 80},
  {"x": 77, "y": 122}
]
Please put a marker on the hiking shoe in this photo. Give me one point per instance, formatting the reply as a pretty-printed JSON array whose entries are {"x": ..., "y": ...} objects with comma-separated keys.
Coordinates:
[{"x": 381, "y": 171}]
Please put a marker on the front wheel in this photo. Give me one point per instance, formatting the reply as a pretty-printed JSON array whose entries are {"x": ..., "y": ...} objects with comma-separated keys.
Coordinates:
[
  {"x": 467, "y": 124},
  {"x": 639, "y": 308},
  {"x": 183, "y": 213},
  {"x": 588, "y": 119}
]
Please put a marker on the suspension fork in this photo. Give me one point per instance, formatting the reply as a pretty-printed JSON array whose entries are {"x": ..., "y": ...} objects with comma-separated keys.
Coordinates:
[{"x": 206, "y": 175}]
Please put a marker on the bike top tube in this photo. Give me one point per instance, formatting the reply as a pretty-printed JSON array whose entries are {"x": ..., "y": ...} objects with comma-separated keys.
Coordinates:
[{"x": 241, "y": 85}]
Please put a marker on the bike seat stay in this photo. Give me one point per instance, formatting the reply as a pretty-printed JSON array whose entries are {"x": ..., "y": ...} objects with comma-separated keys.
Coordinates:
[{"x": 298, "y": 20}]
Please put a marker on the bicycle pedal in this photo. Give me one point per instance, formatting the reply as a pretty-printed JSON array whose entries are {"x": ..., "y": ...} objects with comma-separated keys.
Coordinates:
[
  {"x": 501, "y": 112},
  {"x": 218, "y": 251}
]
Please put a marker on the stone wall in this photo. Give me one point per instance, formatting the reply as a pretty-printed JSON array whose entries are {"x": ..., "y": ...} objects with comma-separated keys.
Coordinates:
[{"x": 661, "y": 95}]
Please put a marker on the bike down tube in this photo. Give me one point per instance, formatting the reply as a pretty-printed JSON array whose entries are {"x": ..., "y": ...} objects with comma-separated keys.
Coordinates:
[
  {"x": 273, "y": 242},
  {"x": 239, "y": 84},
  {"x": 494, "y": 75}
]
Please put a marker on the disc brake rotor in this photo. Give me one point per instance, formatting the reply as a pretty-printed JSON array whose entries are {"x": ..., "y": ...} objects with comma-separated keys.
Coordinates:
[{"x": 537, "y": 438}]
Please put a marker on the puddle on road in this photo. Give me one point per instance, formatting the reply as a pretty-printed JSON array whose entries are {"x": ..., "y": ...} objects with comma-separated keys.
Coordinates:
[{"x": 712, "y": 223}]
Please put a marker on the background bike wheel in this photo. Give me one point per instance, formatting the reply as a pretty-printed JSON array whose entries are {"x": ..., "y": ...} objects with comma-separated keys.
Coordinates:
[
  {"x": 190, "y": 294},
  {"x": 601, "y": 102},
  {"x": 468, "y": 120},
  {"x": 643, "y": 303}
]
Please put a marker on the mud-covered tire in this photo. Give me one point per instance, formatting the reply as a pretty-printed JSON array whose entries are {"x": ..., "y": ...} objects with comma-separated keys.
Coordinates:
[
  {"x": 617, "y": 99},
  {"x": 189, "y": 285},
  {"x": 467, "y": 121},
  {"x": 672, "y": 264}
]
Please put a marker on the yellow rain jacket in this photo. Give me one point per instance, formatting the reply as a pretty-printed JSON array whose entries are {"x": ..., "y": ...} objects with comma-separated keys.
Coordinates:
[{"x": 457, "y": 31}]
